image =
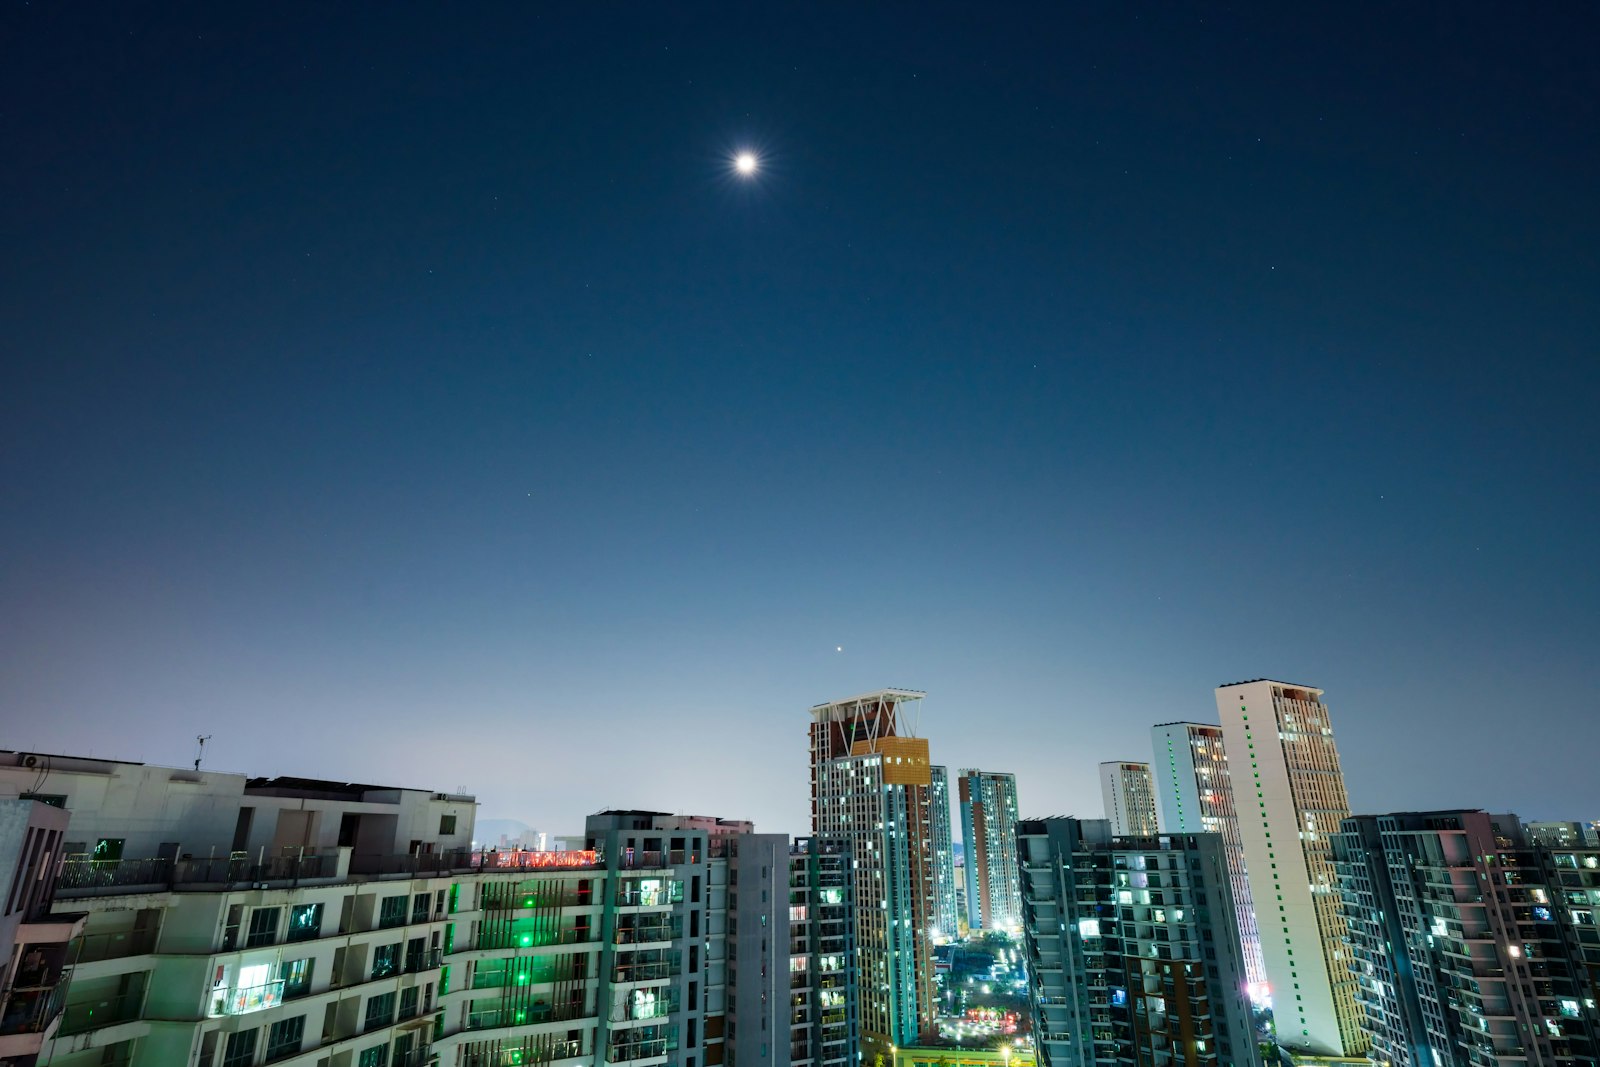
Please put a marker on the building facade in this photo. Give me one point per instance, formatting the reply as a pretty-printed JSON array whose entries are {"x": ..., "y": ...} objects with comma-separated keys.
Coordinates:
[
  {"x": 1474, "y": 943},
  {"x": 1130, "y": 798},
  {"x": 871, "y": 787},
  {"x": 1290, "y": 800},
  {"x": 1562, "y": 834},
  {"x": 1194, "y": 791},
  {"x": 35, "y": 968},
  {"x": 824, "y": 1013},
  {"x": 395, "y": 951},
  {"x": 946, "y": 923},
  {"x": 989, "y": 836},
  {"x": 1133, "y": 949}
]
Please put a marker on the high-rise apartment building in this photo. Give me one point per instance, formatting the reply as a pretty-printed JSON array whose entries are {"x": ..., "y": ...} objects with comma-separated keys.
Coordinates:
[
  {"x": 1133, "y": 949},
  {"x": 988, "y": 832},
  {"x": 824, "y": 1014},
  {"x": 946, "y": 925},
  {"x": 1290, "y": 799},
  {"x": 232, "y": 922},
  {"x": 1474, "y": 944},
  {"x": 36, "y": 945},
  {"x": 1195, "y": 792},
  {"x": 1562, "y": 834},
  {"x": 871, "y": 786},
  {"x": 1130, "y": 798}
]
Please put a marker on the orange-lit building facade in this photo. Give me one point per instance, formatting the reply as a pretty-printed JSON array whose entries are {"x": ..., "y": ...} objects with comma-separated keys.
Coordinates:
[{"x": 871, "y": 786}]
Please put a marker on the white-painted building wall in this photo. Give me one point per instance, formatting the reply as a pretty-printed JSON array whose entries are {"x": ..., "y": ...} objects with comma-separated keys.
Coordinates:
[{"x": 1290, "y": 797}]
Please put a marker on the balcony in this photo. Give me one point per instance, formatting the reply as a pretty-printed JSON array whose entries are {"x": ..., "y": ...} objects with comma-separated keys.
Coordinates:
[
  {"x": 428, "y": 960},
  {"x": 93, "y": 1014},
  {"x": 631, "y": 1051},
  {"x": 33, "y": 1002},
  {"x": 652, "y": 933},
  {"x": 543, "y": 1051},
  {"x": 497, "y": 1014},
  {"x": 635, "y": 859},
  {"x": 243, "y": 1000},
  {"x": 116, "y": 945},
  {"x": 503, "y": 938},
  {"x": 644, "y": 972}
]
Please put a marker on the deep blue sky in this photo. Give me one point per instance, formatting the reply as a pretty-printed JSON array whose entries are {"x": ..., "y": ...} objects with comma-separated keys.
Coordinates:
[{"x": 412, "y": 395}]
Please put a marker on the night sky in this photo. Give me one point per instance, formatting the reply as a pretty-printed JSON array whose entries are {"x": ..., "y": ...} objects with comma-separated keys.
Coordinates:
[{"x": 416, "y": 395}]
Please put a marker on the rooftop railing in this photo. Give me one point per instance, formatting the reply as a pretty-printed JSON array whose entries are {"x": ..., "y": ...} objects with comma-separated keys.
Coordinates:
[{"x": 81, "y": 875}]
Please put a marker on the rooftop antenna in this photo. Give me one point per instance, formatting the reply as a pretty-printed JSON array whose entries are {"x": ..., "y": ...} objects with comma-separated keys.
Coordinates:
[{"x": 200, "y": 751}]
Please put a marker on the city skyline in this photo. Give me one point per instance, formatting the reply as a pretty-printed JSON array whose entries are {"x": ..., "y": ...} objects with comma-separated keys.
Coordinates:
[{"x": 372, "y": 376}]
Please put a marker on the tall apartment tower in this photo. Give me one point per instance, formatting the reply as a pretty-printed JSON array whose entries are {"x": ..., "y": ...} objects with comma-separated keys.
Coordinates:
[
  {"x": 1290, "y": 800},
  {"x": 945, "y": 923},
  {"x": 1132, "y": 949},
  {"x": 1195, "y": 794},
  {"x": 989, "y": 833},
  {"x": 1474, "y": 944},
  {"x": 871, "y": 785},
  {"x": 1130, "y": 798},
  {"x": 823, "y": 1009}
]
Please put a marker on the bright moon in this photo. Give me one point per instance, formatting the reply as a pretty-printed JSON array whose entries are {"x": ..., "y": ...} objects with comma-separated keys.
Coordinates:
[{"x": 745, "y": 163}]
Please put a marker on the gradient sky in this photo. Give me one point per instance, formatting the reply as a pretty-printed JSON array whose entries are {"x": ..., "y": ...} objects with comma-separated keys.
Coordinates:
[{"x": 412, "y": 395}]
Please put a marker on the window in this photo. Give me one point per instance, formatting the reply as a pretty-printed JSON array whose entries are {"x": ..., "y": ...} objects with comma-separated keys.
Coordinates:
[
  {"x": 447, "y": 824},
  {"x": 284, "y": 1037},
  {"x": 263, "y": 927},
  {"x": 108, "y": 850},
  {"x": 376, "y": 1056},
  {"x": 240, "y": 1051},
  {"x": 392, "y": 912},
  {"x": 296, "y": 975},
  {"x": 408, "y": 1002},
  {"x": 416, "y": 955},
  {"x": 305, "y": 922},
  {"x": 386, "y": 960},
  {"x": 380, "y": 1012},
  {"x": 421, "y": 907}
]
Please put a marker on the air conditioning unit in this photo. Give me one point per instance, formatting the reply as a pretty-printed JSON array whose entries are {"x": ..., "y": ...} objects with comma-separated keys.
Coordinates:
[{"x": 30, "y": 760}]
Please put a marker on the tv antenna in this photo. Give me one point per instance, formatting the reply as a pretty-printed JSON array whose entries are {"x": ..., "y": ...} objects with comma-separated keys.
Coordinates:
[{"x": 200, "y": 751}]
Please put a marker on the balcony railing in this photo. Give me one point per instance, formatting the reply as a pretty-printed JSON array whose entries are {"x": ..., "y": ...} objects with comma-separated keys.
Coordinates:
[
  {"x": 644, "y": 972},
  {"x": 427, "y": 960},
  {"x": 644, "y": 935},
  {"x": 501, "y": 1014},
  {"x": 31, "y": 1009},
  {"x": 242, "y": 1000},
  {"x": 543, "y": 1051},
  {"x": 627, "y": 1051},
  {"x": 93, "y": 1014},
  {"x": 109, "y": 945},
  {"x": 502, "y": 938},
  {"x": 83, "y": 876},
  {"x": 638, "y": 859}
]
